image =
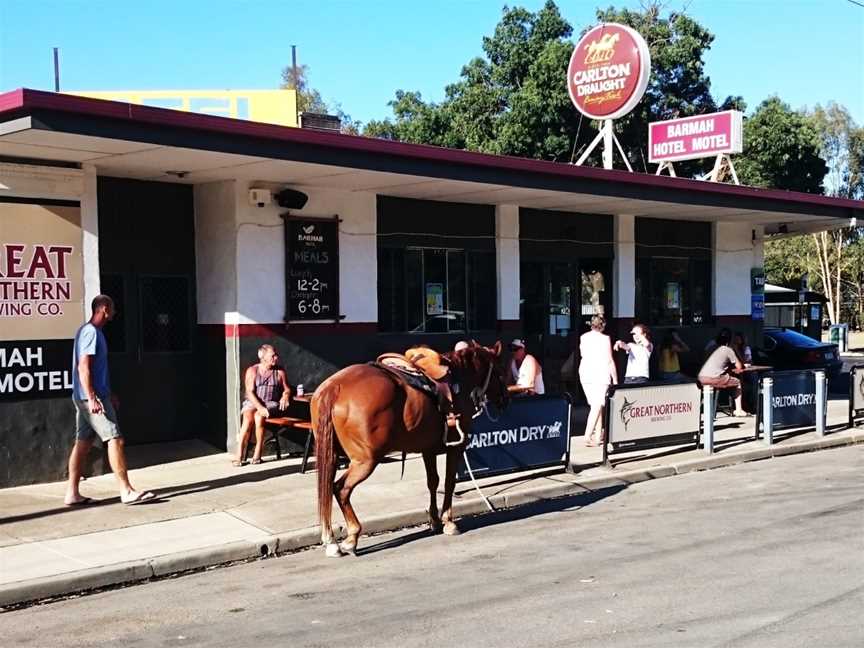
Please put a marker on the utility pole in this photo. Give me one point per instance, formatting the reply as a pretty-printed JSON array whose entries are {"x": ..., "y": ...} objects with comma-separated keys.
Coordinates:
[
  {"x": 296, "y": 83},
  {"x": 56, "y": 69}
]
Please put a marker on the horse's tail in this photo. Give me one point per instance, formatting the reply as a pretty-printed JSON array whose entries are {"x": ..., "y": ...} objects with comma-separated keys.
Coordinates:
[{"x": 325, "y": 457}]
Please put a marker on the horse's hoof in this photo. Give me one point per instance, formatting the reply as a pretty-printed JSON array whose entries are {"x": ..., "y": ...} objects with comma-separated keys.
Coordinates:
[
  {"x": 348, "y": 549},
  {"x": 451, "y": 529},
  {"x": 332, "y": 550},
  {"x": 435, "y": 528}
]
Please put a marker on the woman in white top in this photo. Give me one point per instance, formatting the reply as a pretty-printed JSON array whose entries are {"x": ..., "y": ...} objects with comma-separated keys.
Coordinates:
[
  {"x": 638, "y": 354},
  {"x": 526, "y": 374},
  {"x": 596, "y": 372}
]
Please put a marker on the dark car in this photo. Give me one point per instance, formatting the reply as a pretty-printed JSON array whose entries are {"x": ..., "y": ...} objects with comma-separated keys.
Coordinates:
[{"x": 787, "y": 349}]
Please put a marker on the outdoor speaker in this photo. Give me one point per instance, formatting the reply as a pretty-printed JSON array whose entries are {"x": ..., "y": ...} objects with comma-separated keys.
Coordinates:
[{"x": 291, "y": 199}]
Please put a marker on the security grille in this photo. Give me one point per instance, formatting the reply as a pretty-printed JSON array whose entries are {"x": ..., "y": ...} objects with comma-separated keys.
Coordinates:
[{"x": 165, "y": 314}]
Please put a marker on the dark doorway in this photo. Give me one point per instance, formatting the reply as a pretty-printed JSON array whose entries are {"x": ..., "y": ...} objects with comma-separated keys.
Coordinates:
[
  {"x": 558, "y": 301},
  {"x": 147, "y": 264}
]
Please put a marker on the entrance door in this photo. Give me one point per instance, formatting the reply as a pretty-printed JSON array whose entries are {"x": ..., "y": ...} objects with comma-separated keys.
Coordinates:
[
  {"x": 147, "y": 263},
  {"x": 558, "y": 301}
]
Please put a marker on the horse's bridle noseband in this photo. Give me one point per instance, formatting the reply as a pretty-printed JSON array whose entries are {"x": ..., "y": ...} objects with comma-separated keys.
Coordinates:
[{"x": 481, "y": 404}]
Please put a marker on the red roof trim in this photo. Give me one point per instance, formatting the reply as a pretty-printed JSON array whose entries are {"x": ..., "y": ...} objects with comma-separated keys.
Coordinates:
[{"x": 31, "y": 99}]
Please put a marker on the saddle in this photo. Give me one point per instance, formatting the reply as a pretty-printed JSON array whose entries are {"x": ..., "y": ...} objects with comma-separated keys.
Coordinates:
[
  {"x": 425, "y": 370},
  {"x": 411, "y": 373}
]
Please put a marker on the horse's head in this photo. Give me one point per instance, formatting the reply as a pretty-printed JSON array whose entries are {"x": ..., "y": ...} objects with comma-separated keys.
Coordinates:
[{"x": 477, "y": 371}]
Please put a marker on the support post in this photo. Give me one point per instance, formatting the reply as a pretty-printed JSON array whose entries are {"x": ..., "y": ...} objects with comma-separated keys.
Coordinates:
[
  {"x": 708, "y": 418},
  {"x": 608, "y": 149},
  {"x": 820, "y": 403},
  {"x": 666, "y": 165},
  {"x": 767, "y": 412}
]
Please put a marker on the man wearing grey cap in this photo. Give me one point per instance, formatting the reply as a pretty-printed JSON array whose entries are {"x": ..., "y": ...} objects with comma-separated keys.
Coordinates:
[{"x": 526, "y": 374}]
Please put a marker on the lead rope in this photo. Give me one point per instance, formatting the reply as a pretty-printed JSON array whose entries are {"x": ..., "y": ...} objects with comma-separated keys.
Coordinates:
[{"x": 474, "y": 481}]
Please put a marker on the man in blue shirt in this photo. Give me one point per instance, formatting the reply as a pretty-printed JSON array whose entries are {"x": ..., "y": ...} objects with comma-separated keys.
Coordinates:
[{"x": 95, "y": 413}]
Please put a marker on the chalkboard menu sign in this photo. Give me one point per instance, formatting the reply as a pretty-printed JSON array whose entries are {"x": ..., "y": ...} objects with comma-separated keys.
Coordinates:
[{"x": 312, "y": 268}]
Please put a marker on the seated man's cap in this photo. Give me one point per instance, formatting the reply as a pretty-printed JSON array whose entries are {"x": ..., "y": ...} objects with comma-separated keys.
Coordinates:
[{"x": 518, "y": 343}]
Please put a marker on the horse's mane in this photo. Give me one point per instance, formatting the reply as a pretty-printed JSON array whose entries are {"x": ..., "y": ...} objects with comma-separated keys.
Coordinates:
[{"x": 474, "y": 359}]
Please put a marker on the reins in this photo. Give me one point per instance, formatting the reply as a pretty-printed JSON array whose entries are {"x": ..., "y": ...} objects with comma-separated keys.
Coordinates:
[{"x": 481, "y": 404}]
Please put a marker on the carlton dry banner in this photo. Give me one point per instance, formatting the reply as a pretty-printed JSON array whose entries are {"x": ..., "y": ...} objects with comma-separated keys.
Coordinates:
[
  {"x": 608, "y": 71},
  {"x": 649, "y": 411},
  {"x": 312, "y": 268},
  {"x": 690, "y": 138},
  {"x": 793, "y": 399},
  {"x": 532, "y": 432},
  {"x": 41, "y": 298}
]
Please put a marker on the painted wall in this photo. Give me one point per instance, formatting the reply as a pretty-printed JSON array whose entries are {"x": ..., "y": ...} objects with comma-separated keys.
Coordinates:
[
  {"x": 507, "y": 259},
  {"x": 734, "y": 256},
  {"x": 241, "y": 287},
  {"x": 261, "y": 255},
  {"x": 36, "y": 435}
]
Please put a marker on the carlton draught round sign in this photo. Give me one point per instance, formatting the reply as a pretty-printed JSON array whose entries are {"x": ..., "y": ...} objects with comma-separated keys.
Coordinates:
[{"x": 608, "y": 71}]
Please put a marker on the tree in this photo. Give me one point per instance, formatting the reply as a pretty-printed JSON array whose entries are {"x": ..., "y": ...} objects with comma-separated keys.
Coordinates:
[
  {"x": 842, "y": 147},
  {"x": 781, "y": 150},
  {"x": 310, "y": 100},
  {"x": 514, "y": 99}
]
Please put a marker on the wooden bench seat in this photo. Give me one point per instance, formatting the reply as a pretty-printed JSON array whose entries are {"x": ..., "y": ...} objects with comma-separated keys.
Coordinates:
[{"x": 279, "y": 424}]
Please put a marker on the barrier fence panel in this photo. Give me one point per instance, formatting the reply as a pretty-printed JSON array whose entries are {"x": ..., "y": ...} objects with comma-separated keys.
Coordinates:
[
  {"x": 791, "y": 399},
  {"x": 856, "y": 393},
  {"x": 651, "y": 413},
  {"x": 533, "y": 432}
]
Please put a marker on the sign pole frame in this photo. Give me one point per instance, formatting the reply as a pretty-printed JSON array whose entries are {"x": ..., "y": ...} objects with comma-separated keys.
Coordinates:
[
  {"x": 714, "y": 174},
  {"x": 606, "y": 134},
  {"x": 668, "y": 166}
]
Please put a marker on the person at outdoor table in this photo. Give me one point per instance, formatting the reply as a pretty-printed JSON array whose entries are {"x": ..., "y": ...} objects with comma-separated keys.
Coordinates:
[
  {"x": 526, "y": 375},
  {"x": 713, "y": 343},
  {"x": 596, "y": 372},
  {"x": 267, "y": 394},
  {"x": 672, "y": 345},
  {"x": 716, "y": 370},
  {"x": 638, "y": 354},
  {"x": 744, "y": 353}
]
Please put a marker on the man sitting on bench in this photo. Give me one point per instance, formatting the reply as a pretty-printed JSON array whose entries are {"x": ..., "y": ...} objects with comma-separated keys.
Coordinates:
[{"x": 267, "y": 394}]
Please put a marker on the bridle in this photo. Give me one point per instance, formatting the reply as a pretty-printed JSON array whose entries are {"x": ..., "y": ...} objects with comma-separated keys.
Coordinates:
[{"x": 480, "y": 401}]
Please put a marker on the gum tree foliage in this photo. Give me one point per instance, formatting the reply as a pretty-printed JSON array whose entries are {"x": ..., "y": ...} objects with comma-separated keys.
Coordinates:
[
  {"x": 310, "y": 100},
  {"x": 781, "y": 149},
  {"x": 793, "y": 149},
  {"x": 513, "y": 100}
]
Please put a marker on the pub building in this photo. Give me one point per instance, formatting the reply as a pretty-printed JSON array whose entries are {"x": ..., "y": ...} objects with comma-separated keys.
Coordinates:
[{"x": 376, "y": 246}]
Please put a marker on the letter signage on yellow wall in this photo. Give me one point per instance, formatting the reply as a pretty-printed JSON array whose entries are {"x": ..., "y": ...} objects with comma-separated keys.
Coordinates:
[{"x": 264, "y": 106}]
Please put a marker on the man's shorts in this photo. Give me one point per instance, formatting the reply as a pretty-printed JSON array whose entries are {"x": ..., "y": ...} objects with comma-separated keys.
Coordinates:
[
  {"x": 104, "y": 425},
  {"x": 720, "y": 382},
  {"x": 273, "y": 408}
]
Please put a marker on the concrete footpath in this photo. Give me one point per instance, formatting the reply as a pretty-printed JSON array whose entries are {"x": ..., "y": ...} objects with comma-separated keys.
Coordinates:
[{"x": 210, "y": 513}]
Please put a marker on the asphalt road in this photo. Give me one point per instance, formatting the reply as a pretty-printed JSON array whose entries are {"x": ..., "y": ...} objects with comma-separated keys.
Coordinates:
[{"x": 762, "y": 554}]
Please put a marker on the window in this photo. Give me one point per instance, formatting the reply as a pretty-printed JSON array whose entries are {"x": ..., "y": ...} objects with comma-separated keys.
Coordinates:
[
  {"x": 436, "y": 290},
  {"x": 436, "y": 267},
  {"x": 673, "y": 291},
  {"x": 165, "y": 314},
  {"x": 673, "y": 272}
]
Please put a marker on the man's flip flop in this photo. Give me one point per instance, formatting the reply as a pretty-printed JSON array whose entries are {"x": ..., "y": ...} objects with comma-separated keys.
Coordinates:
[
  {"x": 84, "y": 501},
  {"x": 137, "y": 498}
]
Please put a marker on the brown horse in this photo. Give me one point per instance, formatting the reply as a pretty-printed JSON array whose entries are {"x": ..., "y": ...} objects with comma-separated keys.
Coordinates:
[{"x": 373, "y": 413}]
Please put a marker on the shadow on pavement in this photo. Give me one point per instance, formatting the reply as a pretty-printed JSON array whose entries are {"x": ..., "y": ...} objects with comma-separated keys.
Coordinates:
[{"x": 474, "y": 522}]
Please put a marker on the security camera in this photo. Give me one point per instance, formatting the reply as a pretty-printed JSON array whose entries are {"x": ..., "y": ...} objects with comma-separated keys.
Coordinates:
[{"x": 260, "y": 197}]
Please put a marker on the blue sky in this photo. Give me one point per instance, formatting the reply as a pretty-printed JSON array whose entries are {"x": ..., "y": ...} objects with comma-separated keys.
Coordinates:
[{"x": 359, "y": 53}]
